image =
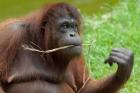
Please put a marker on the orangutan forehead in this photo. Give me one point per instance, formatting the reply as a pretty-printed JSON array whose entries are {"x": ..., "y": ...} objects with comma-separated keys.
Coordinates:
[
  {"x": 59, "y": 12},
  {"x": 67, "y": 19}
]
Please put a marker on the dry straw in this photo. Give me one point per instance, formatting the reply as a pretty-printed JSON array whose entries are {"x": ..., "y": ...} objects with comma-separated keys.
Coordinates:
[{"x": 26, "y": 47}]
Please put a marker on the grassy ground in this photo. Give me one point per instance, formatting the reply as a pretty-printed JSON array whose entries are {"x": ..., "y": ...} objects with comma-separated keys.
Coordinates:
[{"x": 117, "y": 28}]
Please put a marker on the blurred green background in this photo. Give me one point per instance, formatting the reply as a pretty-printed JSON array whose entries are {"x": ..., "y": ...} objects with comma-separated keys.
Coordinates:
[
  {"x": 17, "y": 8},
  {"x": 107, "y": 24}
]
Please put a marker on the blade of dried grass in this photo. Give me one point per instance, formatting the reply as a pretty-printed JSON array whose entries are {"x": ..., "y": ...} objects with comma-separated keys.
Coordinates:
[{"x": 48, "y": 51}]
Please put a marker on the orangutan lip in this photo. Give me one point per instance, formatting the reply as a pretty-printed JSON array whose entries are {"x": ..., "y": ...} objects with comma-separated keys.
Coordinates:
[{"x": 76, "y": 45}]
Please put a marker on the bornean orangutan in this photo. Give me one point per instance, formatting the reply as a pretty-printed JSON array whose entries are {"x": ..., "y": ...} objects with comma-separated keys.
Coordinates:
[{"x": 63, "y": 71}]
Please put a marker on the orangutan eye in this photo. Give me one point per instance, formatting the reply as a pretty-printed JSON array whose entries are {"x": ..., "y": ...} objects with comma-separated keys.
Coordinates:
[{"x": 65, "y": 25}]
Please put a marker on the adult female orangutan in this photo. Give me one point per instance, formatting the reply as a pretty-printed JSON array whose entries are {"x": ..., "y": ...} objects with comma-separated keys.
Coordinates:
[{"x": 63, "y": 71}]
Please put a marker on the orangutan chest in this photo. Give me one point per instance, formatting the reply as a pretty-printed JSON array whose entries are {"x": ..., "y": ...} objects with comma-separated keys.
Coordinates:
[{"x": 39, "y": 86}]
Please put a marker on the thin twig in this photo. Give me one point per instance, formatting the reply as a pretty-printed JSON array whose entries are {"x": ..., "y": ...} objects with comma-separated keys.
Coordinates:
[
  {"x": 35, "y": 45},
  {"x": 48, "y": 51},
  {"x": 83, "y": 85},
  {"x": 89, "y": 50}
]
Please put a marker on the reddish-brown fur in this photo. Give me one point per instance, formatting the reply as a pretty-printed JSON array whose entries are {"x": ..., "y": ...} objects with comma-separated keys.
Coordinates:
[{"x": 67, "y": 77}]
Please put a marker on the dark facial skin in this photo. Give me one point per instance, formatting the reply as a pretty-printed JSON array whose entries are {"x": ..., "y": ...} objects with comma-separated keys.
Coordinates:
[{"x": 68, "y": 35}]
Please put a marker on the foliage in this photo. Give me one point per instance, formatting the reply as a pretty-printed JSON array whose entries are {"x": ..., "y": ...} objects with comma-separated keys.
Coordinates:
[{"x": 118, "y": 28}]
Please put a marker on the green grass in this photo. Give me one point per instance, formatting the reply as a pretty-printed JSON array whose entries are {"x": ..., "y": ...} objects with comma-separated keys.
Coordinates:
[{"x": 117, "y": 28}]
